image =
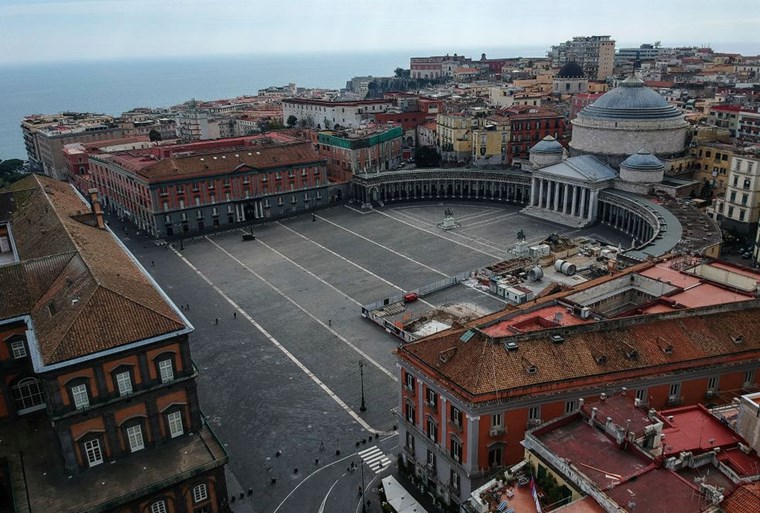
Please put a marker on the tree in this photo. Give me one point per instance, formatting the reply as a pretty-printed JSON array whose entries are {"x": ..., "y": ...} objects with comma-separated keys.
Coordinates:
[
  {"x": 9, "y": 171},
  {"x": 402, "y": 73},
  {"x": 154, "y": 135},
  {"x": 292, "y": 120},
  {"x": 427, "y": 156}
]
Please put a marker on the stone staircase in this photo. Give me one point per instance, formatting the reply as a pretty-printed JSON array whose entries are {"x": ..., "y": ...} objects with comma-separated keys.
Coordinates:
[{"x": 556, "y": 217}]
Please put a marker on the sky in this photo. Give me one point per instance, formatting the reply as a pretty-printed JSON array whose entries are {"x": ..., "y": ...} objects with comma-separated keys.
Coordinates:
[{"x": 69, "y": 30}]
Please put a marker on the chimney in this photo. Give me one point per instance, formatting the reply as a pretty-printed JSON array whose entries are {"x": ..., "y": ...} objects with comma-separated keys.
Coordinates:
[
  {"x": 603, "y": 396},
  {"x": 95, "y": 202}
]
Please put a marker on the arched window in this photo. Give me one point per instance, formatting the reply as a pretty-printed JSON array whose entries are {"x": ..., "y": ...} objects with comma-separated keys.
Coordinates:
[
  {"x": 158, "y": 507},
  {"x": 200, "y": 493},
  {"x": 27, "y": 396}
]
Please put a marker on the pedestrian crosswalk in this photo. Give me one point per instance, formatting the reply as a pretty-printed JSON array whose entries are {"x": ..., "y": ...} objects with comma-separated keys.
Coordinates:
[{"x": 375, "y": 459}]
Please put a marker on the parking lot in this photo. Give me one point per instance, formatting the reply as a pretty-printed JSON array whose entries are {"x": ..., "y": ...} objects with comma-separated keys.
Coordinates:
[{"x": 280, "y": 342}]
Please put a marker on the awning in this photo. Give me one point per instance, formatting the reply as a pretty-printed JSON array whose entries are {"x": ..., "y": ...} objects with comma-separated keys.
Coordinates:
[{"x": 399, "y": 498}]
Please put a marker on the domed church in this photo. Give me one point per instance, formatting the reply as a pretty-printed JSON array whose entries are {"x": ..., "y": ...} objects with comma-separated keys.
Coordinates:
[
  {"x": 570, "y": 80},
  {"x": 627, "y": 119},
  {"x": 616, "y": 154}
]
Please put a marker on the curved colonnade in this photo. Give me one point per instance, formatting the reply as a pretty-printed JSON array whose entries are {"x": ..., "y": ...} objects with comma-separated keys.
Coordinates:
[{"x": 645, "y": 222}]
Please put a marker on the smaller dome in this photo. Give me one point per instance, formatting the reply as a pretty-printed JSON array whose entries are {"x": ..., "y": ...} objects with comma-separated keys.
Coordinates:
[
  {"x": 571, "y": 70},
  {"x": 548, "y": 145},
  {"x": 643, "y": 161}
]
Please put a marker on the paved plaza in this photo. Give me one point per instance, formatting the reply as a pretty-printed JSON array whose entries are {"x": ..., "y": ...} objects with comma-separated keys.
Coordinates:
[{"x": 279, "y": 335}]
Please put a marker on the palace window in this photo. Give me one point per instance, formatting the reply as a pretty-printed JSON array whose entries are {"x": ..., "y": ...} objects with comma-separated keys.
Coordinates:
[
  {"x": 135, "y": 438},
  {"x": 18, "y": 349},
  {"x": 166, "y": 370},
  {"x": 27, "y": 394},
  {"x": 174, "y": 419},
  {"x": 80, "y": 397},
  {"x": 124, "y": 383},
  {"x": 158, "y": 507},
  {"x": 93, "y": 452},
  {"x": 200, "y": 493}
]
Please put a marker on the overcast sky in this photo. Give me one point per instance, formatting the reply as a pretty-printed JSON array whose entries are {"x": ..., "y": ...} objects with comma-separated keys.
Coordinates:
[{"x": 49, "y": 30}]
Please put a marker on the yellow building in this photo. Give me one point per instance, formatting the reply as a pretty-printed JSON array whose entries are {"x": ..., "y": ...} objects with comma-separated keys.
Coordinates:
[
  {"x": 455, "y": 136},
  {"x": 489, "y": 141},
  {"x": 712, "y": 161}
]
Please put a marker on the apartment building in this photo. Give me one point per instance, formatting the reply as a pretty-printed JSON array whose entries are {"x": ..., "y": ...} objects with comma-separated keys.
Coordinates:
[
  {"x": 371, "y": 149},
  {"x": 326, "y": 114},
  {"x": 672, "y": 334},
  {"x": 741, "y": 203},
  {"x": 99, "y": 402},
  {"x": 712, "y": 165},
  {"x": 46, "y": 135},
  {"x": 595, "y": 54}
]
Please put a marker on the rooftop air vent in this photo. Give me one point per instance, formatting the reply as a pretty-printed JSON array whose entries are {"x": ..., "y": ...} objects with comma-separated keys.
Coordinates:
[
  {"x": 511, "y": 346},
  {"x": 630, "y": 352},
  {"x": 529, "y": 367},
  {"x": 738, "y": 339},
  {"x": 600, "y": 359},
  {"x": 557, "y": 339}
]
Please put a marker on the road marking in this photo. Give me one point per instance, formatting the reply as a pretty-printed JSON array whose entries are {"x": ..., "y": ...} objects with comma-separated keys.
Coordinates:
[
  {"x": 465, "y": 228},
  {"x": 350, "y": 262},
  {"x": 324, "y": 501},
  {"x": 270, "y": 248},
  {"x": 430, "y": 232},
  {"x": 384, "y": 247},
  {"x": 304, "y": 310},
  {"x": 282, "y": 348},
  {"x": 375, "y": 459},
  {"x": 320, "y": 469}
]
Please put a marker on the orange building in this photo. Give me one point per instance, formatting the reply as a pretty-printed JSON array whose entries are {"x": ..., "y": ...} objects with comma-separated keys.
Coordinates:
[
  {"x": 671, "y": 332},
  {"x": 98, "y": 404}
]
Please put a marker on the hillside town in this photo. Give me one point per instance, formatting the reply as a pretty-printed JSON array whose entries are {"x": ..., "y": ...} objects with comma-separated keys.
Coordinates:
[{"x": 575, "y": 335}]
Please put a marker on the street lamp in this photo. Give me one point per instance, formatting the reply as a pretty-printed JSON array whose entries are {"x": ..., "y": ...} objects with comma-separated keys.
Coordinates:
[
  {"x": 363, "y": 407},
  {"x": 179, "y": 230}
]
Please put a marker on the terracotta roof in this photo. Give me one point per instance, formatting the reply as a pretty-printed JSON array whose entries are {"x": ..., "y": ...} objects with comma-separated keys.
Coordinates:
[
  {"x": 83, "y": 291},
  {"x": 745, "y": 499},
  {"x": 210, "y": 163},
  {"x": 481, "y": 370}
]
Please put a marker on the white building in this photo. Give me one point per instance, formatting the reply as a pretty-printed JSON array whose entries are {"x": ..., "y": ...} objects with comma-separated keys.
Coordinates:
[{"x": 326, "y": 114}]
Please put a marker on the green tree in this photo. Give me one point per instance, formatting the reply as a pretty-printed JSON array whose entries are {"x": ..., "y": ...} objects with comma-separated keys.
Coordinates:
[
  {"x": 154, "y": 135},
  {"x": 427, "y": 156},
  {"x": 292, "y": 120}
]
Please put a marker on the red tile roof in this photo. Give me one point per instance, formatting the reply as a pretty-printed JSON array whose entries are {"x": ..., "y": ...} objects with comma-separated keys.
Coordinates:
[
  {"x": 83, "y": 291},
  {"x": 216, "y": 162},
  {"x": 745, "y": 499},
  {"x": 482, "y": 370}
]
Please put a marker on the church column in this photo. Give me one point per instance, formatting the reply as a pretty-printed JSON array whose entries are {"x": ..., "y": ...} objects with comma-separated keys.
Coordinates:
[
  {"x": 592, "y": 211},
  {"x": 549, "y": 184},
  {"x": 583, "y": 202},
  {"x": 533, "y": 186},
  {"x": 557, "y": 188},
  {"x": 565, "y": 197},
  {"x": 540, "y": 192},
  {"x": 573, "y": 203}
]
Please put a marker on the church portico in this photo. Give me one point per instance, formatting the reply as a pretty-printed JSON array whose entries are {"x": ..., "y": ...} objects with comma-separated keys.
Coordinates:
[{"x": 568, "y": 192}]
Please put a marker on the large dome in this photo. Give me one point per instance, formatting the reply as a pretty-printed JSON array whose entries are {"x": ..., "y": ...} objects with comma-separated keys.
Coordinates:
[
  {"x": 631, "y": 100},
  {"x": 571, "y": 70}
]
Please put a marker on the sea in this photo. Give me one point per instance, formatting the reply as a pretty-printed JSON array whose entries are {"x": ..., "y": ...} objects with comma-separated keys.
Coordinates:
[{"x": 112, "y": 87}]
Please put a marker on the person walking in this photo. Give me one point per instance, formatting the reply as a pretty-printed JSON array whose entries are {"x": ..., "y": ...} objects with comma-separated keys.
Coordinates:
[
  {"x": 216, "y": 321},
  {"x": 234, "y": 315}
]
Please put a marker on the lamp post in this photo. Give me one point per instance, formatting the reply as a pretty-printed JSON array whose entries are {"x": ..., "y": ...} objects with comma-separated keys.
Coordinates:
[
  {"x": 363, "y": 407},
  {"x": 364, "y": 504},
  {"x": 179, "y": 230}
]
